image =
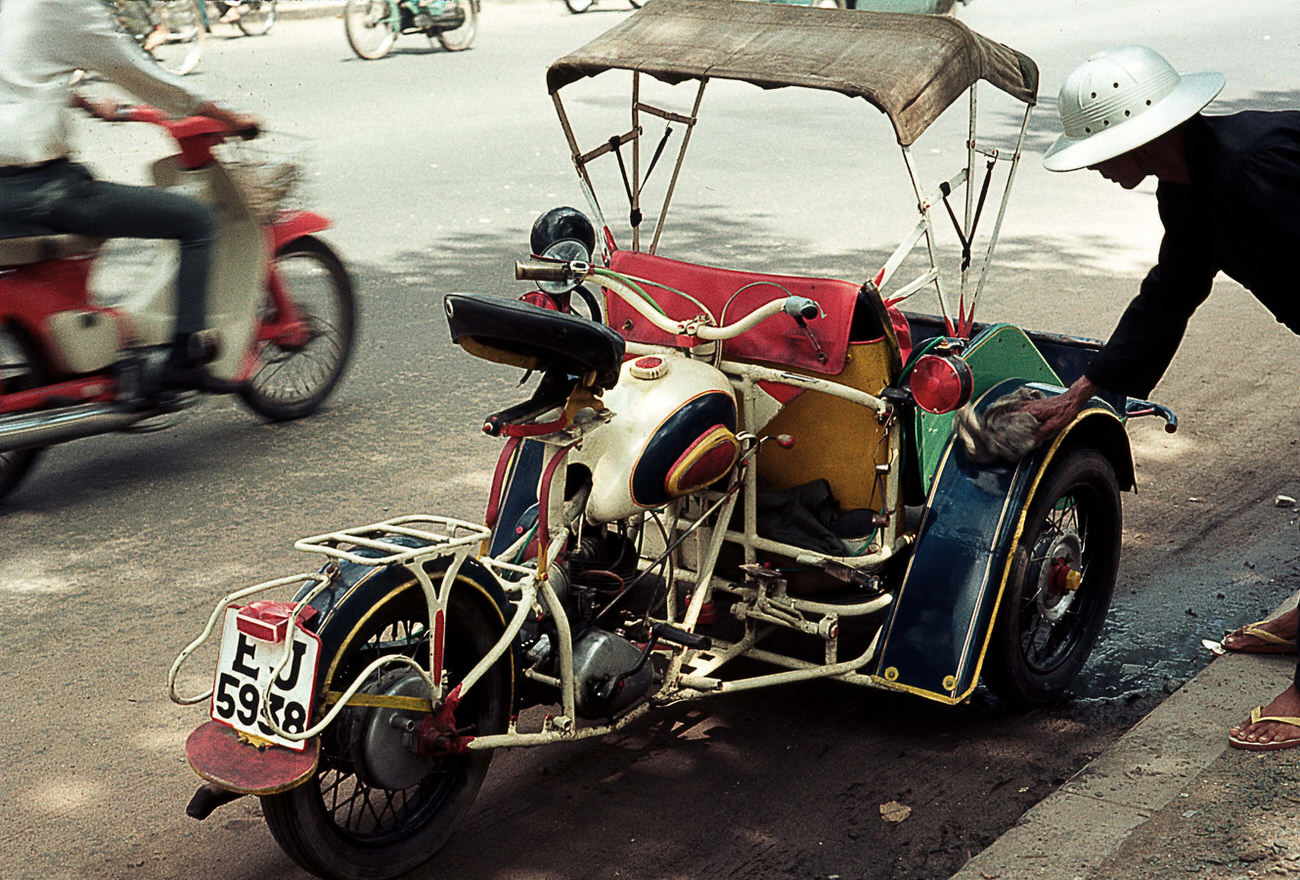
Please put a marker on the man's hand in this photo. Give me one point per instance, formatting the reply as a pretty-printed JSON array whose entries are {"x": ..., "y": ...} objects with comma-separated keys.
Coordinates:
[
  {"x": 1054, "y": 413},
  {"x": 102, "y": 108}
]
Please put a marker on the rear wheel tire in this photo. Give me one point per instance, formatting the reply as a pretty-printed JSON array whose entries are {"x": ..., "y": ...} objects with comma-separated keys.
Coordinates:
[
  {"x": 343, "y": 825},
  {"x": 369, "y": 28},
  {"x": 257, "y": 17},
  {"x": 289, "y": 383},
  {"x": 19, "y": 371},
  {"x": 460, "y": 39},
  {"x": 1045, "y": 627},
  {"x": 577, "y": 7}
]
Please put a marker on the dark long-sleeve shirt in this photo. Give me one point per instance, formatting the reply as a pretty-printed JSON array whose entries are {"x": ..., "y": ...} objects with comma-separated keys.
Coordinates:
[{"x": 1239, "y": 215}]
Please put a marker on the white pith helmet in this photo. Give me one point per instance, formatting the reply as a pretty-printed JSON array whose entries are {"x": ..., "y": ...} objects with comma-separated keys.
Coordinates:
[{"x": 1119, "y": 100}]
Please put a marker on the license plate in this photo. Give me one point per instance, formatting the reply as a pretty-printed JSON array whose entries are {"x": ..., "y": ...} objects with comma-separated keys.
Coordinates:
[{"x": 245, "y": 665}]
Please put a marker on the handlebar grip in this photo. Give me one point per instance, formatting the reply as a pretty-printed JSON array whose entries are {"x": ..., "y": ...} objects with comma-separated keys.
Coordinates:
[
  {"x": 1134, "y": 408},
  {"x": 539, "y": 270},
  {"x": 802, "y": 307}
]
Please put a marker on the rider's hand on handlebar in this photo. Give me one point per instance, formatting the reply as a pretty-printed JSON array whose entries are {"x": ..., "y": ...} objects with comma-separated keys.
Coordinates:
[
  {"x": 246, "y": 127},
  {"x": 102, "y": 108}
]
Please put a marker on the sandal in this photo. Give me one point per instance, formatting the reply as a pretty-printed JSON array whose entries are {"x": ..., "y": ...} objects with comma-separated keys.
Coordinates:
[
  {"x": 1257, "y": 715},
  {"x": 1268, "y": 643}
]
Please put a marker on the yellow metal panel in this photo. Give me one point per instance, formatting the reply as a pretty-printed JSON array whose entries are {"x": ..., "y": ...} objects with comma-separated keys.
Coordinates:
[{"x": 834, "y": 438}]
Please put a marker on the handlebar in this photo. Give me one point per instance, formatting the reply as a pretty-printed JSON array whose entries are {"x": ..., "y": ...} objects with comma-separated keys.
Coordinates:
[
  {"x": 185, "y": 126},
  {"x": 1135, "y": 408},
  {"x": 800, "y": 308},
  {"x": 195, "y": 135}
]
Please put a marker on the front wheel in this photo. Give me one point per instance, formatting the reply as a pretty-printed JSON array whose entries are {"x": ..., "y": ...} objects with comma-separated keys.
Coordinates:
[
  {"x": 256, "y": 17},
  {"x": 295, "y": 373},
  {"x": 1061, "y": 579},
  {"x": 461, "y": 37},
  {"x": 577, "y": 7},
  {"x": 375, "y": 808},
  {"x": 369, "y": 27},
  {"x": 179, "y": 36}
]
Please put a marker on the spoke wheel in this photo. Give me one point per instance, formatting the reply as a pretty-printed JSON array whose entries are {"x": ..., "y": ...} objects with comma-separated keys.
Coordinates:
[
  {"x": 369, "y": 27},
  {"x": 256, "y": 17},
  {"x": 19, "y": 371},
  {"x": 577, "y": 7},
  {"x": 460, "y": 38},
  {"x": 375, "y": 810},
  {"x": 1060, "y": 584},
  {"x": 182, "y": 46},
  {"x": 291, "y": 382}
]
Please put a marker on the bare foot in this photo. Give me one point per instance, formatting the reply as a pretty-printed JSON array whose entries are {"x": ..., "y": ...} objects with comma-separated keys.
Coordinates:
[
  {"x": 156, "y": 38},
  {"x": 1283, "y": 626},
  {"x": 1287, "y": 705}
]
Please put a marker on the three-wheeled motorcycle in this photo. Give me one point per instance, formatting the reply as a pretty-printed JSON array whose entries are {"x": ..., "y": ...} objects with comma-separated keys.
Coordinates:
[{"x": 716, "y": 464}]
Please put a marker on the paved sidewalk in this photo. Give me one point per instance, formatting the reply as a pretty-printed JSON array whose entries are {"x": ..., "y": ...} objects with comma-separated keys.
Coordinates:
[{"x": 1170, "y": 798}]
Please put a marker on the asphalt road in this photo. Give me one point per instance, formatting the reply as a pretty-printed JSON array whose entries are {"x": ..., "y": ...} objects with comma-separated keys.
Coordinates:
[{"x": 433, "y": 166}]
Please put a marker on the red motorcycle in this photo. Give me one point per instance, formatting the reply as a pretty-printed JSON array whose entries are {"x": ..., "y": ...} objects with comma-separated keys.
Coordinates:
[{"x": 72, "y": 366}]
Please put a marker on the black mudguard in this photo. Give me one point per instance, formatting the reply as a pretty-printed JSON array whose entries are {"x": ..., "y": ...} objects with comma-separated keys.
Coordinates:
[
  {"x": 943, "y": 612},
  {"x": 346, "y": 604}
]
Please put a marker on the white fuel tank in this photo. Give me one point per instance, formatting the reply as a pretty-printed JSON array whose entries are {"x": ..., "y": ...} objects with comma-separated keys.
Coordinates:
[{"x": 673, "y": 433}]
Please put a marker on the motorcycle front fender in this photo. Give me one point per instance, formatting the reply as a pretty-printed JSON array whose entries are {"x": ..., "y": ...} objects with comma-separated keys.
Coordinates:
[{"x": 294, "y": 225}]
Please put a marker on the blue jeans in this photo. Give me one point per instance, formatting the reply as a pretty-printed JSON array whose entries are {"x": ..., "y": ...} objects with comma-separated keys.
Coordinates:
[{"x": 63, "y": 196}]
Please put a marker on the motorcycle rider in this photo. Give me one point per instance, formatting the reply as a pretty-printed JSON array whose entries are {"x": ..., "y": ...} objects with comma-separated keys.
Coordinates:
[
  {"x": 1227, "y": 196},
  {"x": 42, "y": 44}
]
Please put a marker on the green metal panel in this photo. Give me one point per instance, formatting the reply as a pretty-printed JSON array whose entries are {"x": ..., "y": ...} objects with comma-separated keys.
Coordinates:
[{"x": 1000, "y": 352}]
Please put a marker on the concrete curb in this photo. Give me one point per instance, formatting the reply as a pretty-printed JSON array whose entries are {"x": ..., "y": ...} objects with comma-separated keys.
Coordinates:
[{"x": 1071, "y": 832}]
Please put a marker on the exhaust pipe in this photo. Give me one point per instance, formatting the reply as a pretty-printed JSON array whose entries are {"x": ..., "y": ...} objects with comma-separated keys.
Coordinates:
[{"x": 47, "y": 427}]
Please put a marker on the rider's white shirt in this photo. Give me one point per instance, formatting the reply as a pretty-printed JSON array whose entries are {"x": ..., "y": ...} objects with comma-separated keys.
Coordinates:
[{"x": 41, "y": 43}]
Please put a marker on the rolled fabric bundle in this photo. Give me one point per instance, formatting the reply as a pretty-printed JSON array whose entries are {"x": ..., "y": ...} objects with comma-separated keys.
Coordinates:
[{"x": 1002, "y": 433}]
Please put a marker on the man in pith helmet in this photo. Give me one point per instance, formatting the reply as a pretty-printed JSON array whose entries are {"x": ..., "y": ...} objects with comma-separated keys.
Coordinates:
[{"x": 1228, "y": 194}]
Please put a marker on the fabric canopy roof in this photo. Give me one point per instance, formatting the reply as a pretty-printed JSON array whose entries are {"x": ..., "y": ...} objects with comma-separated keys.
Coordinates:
[{"x": 912, "y": 67}]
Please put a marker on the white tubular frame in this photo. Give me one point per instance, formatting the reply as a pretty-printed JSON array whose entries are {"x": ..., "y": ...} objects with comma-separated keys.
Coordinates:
[{"x": 924, "y": 228}]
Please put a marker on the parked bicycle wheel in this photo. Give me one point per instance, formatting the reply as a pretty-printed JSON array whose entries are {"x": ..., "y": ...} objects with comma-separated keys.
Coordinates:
[
  {"x": 256, "y": 17},
  {"x": 179, "y": 36},
  {"x": 461, "y": 37},
  {"x": 369, "y": 27}
]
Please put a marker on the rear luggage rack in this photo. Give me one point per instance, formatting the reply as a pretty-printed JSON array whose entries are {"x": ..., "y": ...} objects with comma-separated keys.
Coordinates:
[{"x": 444, "y": 535}]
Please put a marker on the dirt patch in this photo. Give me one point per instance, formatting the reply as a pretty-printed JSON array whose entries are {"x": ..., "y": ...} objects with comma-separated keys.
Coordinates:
[{"x": 1239, "y": 822}]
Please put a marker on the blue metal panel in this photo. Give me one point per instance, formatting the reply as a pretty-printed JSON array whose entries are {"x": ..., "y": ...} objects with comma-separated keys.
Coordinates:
[
  {"x": 518, "y": 495},
  {"x": 944, "y": 609},
  {"x": 944, "y": 606}
]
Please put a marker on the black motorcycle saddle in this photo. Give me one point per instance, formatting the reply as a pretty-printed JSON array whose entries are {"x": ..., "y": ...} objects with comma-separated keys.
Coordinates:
[{"x": 524, "y": 335}]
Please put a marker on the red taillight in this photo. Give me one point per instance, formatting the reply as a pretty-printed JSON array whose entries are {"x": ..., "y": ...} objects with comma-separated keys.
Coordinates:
[{"x": 941, "y": 383}]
